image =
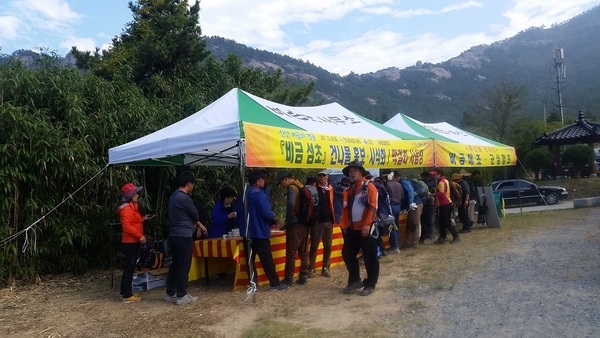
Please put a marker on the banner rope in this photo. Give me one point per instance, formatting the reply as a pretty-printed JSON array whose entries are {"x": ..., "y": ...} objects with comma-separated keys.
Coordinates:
[{"x": 32, "y": 225}]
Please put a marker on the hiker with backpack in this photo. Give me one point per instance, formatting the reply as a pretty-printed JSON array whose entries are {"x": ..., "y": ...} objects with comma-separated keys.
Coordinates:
[
  {"x": 429, "y": 210},
  {"x": 463, "y": 206},
  {"x": 362, "y": 233},
  {"x": 444, "y": 203},
  {"x": 322, "y": 231},
  {"x": 296, "y": 228},
  {"x": 132, "y": 236},
  {"x": 396, "y": 193},
  {"x": 414, "y": 192}
]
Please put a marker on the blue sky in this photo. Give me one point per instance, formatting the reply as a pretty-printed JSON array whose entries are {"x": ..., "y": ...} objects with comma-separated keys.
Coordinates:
[{"x": 342, "y": 36}]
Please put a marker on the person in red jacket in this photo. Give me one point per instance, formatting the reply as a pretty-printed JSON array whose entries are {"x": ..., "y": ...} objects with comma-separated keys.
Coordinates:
[
  {"x": 131, "y": 238},
  {"x": 443, "y": 201}
]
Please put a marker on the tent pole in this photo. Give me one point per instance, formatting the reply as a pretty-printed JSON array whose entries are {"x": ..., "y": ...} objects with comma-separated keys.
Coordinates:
[{"x": 251, "y": 273}]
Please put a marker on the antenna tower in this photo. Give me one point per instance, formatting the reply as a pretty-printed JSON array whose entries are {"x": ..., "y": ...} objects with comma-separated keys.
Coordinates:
[{"x": 559, "y": 56}]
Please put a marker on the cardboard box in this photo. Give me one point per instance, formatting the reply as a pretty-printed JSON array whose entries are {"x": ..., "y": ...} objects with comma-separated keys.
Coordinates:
[{"x": 149, "y": 280}]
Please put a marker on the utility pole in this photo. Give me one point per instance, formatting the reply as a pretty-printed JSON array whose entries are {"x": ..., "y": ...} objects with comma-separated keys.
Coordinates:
[
  {"x": 559, "y": 56},
  {"x": 544, "y": 102}
]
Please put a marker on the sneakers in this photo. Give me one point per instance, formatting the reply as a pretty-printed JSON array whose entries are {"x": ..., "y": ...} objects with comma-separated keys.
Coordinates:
[
  {"x": 302, "y": 280},
  {"x": 185, "y": 300},
  {"x": 366, "y": 291},
  {"x": 441, "y": 241},
  {"x": 311, "y": 272},
  {"x": 455, "y": 240},
  {"x": 464, "y": 231},
  {"x": 348, "y": 289},
  {"x": 383, "y": 253},
  {"x": 133, "y": 298},
  {"x": 325, "y": 272},
  {"x": 284, "y": 285},
  {"x": 281, "y": 286},
  {"x": 169, "y": 298},
  {"x": 393, "y": 251}
]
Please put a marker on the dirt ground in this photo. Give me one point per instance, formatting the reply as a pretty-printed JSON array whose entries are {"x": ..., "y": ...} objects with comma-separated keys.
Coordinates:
[{"x": 435, "y": 291}]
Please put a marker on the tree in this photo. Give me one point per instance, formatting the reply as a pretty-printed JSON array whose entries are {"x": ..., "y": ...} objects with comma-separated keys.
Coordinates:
[
  {"x": 578, "y": 156},
  {"x": 163, "y": 39},
  {"x": 500, "y": 110},
  {"x": 538, "y": 159}
]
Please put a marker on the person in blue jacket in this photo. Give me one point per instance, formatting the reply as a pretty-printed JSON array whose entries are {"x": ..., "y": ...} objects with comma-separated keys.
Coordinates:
[
  {"x": 224, "y": 214},
  {"x": 260, "y": 218}
]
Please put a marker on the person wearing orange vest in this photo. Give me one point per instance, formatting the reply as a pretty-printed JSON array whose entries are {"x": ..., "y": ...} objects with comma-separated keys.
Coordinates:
[
  {"x": 322, "y": 231},
  {"x": 361, "y": 234}
]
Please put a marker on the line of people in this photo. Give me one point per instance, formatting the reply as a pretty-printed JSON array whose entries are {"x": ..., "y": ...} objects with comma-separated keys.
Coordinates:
[{"x": 352, "y": 204}]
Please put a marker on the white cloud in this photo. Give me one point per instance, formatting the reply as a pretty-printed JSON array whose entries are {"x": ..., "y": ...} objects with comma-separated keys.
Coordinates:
[
  {"x": 536, "y": 13},
  {"x": 376, "y": 48},
  {"x": 82, "y": 44},
  {"x": 53, "y": 10},
  {"x": 461, "y": 6},
  {"x": 9, "y": 26},
  {"x": 261, "y": 23}
]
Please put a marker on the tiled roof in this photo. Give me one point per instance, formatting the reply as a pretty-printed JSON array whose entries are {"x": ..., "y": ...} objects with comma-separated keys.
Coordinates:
[{"x": 580, "y": 131}]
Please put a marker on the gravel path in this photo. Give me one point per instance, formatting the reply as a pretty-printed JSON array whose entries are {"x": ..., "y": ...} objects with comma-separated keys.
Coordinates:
[{"x": 548, "y": 286}]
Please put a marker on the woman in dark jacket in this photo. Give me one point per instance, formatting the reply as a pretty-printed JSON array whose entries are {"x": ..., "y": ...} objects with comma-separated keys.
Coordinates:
[{"x": 224, "y": 214}]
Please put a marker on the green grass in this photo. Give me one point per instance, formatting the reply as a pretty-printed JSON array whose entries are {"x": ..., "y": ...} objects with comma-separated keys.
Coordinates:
[{"x": 577, "y": 188}]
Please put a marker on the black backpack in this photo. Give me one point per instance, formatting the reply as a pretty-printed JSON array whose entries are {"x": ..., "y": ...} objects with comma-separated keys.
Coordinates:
[
  {"x": 309, "y": 203},
  {"x": 149, "y": 257}
]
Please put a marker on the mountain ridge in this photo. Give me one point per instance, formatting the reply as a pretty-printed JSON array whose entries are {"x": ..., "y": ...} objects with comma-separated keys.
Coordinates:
[{"x": 446, "y": 90}]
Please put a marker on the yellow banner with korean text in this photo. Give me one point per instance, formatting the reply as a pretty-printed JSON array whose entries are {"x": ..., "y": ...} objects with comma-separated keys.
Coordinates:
[
  {"x": 448, "y": 154},
  {"x": 275, "y": 147}
]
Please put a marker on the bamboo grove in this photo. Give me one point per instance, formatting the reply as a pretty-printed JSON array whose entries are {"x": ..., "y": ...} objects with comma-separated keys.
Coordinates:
[{"x": 57, "y": 124}]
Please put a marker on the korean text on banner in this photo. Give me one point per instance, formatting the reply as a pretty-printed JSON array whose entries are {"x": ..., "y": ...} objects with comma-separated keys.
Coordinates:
[
  {"x": 289, "y": 148},
  {"x": 449, "y": 154}
]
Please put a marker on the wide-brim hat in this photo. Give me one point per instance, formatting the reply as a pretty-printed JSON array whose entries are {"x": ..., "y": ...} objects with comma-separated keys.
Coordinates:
[
  {"x": 354, "y": 164},
  {"x": 464, "y": 172},
  {"x": 457, "y": 176},
  {"x": 128, "y": 190}
]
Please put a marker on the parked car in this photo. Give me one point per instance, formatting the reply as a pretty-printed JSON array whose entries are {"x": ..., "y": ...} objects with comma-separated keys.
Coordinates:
[{"x": 529, "y": 192}]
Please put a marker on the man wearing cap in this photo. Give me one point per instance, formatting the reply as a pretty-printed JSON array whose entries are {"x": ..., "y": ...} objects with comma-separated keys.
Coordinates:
[
  {"x": 132, "y": 235},
  {"x": 463, "y": 207},
  {"x": 260, "y": 218},
  {"x": 323, "y": 228},
  {"x": 296, "y": 233},
  {"x": 445, "y": 208},
  {"x": 428, "y": 215},
  {"x": 183, "y": 221},
  {"x": 360, "y": 235}
]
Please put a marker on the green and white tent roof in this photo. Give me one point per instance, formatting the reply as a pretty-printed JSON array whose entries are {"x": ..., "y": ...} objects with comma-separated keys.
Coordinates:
[
  {"x": 441, "y": 131},
  {"x": 215, "y": 134}
]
